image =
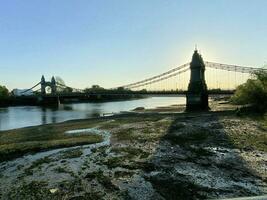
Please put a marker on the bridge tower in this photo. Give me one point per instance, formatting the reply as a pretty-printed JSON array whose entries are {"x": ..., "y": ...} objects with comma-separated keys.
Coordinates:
[
  {"x": 197, "y": 94},
  {"x": 52, "y": 84},
  {"x": 43, "y": 85}
]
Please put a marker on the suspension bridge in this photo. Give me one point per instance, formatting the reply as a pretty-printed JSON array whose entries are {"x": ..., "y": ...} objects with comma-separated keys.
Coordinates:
[{"x": 218, "y": 77}]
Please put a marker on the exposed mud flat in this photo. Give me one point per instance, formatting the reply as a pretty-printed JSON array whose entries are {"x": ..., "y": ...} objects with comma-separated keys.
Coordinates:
[{"x": 149, "y": 156}]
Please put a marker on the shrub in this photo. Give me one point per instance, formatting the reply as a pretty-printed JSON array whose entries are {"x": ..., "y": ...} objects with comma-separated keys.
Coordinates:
[{"x": 253, "y": 92}]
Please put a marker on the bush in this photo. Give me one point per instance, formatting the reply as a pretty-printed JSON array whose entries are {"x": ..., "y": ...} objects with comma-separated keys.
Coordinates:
[{"x": 253, "y": 92}]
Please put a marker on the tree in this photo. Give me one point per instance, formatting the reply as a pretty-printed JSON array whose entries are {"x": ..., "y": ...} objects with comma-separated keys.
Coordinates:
[
  {"x": 68, "y": 90},
  {"x": 60, "y": 80},
  {"x": 97, "y": 87},
  {"x": 3, "y": 92},
  {"x": 253, "y": 92},
  {"x": 61, "y": 86},
  {"x": 121, "y": 89}
]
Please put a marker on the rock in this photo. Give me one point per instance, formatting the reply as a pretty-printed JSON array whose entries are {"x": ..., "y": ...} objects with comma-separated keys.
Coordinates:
[{"x": 54, "y": 190}]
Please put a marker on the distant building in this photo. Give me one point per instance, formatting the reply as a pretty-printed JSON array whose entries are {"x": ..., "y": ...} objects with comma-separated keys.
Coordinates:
[{"x": 21, "y": 92}]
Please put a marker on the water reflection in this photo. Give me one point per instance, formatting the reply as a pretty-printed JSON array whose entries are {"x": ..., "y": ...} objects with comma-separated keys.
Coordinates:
[
  {"x": 4, "y": 112},
  {"x": 21, "y": 116},
  {"x": 53, "y": 117},
  {"x": 66, "y": 107},
  {"x": 44, "y": 120}
]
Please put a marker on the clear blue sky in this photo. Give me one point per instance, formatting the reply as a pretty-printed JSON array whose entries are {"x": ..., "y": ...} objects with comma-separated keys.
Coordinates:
[{"x": 114, "y": 42}]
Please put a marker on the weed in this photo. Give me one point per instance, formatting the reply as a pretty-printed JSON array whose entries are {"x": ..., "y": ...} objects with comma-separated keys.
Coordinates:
[
  {"x": 61, "y": 170},
  {"x": 103, "y": 180},
  {"x": 73, "y": 153},
  {"x": 37, "y": 164}
]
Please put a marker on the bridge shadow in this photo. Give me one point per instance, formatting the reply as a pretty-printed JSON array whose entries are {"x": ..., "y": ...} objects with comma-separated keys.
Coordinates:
[{"x": 198, "y": 159}]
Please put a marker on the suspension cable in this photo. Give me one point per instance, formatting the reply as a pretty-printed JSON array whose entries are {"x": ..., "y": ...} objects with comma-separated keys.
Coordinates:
[
  {"x": 157, "y": 76},
  {"x": 235, "y": 68},
  {"x": 65, "y": 86},
  {"x": 161, "y": 79},
  {"x": 30, "y": 88}
]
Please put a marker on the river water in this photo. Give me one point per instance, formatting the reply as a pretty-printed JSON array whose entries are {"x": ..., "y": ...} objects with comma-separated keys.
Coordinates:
[{"x": 23, "y": 116}]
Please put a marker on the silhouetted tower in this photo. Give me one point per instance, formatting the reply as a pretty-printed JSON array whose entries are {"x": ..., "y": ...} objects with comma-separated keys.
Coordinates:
[
  {"x": 197, "y": 94},
  {"x": 43, "y": 85},
  {"x": 53, "y": 85}
]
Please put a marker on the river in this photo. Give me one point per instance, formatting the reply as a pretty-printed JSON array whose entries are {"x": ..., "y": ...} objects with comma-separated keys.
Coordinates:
[{"x": 23, "y": 116}]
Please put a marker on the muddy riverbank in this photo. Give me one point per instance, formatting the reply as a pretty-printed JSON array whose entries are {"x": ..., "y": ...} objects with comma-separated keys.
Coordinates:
[{"x": 159, "y": 153}]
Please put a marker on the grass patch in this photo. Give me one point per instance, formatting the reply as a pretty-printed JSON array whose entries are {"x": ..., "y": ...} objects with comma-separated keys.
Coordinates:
[
  {"x": 114, "y": 162},
  {"x": 103, "y": 180},
  {"x": 145, "y": 166},
  {"x": 249, "y": 140},
  {"x": 15, "y": 143},
  {"x": 32, "y": 190},
  {"x": 150, "y": 132},
  {"x": 126, "y": 158},
  {"x": 171, "y": 188},
  {"x": 197, "y": 136},
  {"x": 73, "y": 153},
  {"x": 91, "y": 196},
  {"x": 200, "y": 152},
  {"x": 254, "y": 138},
  {"x": 123, "y": 162},
  {"x": 37, "y": 164},
  {"x": 126, "y": 134},
  {"x": 61, "y": 170},
  {"x": 40, "y": 190},
  {"x": 123, "y": 174},
  {"x": 130, "y": 152},
  {"x": 138, "y": 119}
]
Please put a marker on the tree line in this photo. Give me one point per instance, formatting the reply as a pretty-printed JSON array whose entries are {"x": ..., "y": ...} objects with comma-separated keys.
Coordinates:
[{"x": 4, "y": 93}]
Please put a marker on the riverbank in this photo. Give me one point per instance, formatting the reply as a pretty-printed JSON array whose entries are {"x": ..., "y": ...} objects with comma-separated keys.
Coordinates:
[{"x": 148, "y": 154}]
